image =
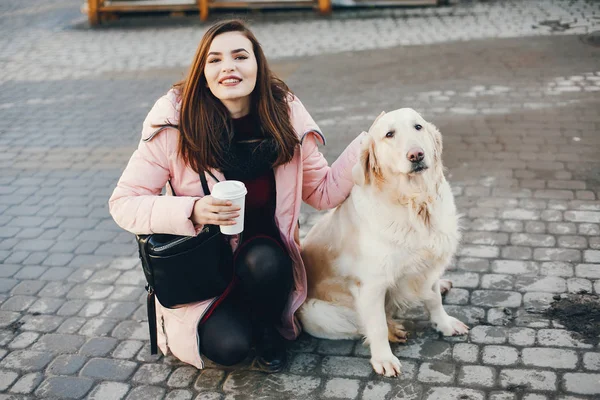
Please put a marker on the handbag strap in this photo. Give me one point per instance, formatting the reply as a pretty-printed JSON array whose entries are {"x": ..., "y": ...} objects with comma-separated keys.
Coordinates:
[{"x": 205, "y": 183}]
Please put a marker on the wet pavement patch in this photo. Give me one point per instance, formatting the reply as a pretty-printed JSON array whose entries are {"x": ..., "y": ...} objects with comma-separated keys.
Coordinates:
[{"x": 578, "y": 313}]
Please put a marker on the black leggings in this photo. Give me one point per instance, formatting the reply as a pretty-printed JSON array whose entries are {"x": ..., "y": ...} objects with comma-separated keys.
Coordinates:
[{"x": 265, "y": 279}]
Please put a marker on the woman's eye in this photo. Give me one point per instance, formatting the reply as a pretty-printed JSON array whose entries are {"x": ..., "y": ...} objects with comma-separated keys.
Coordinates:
[
  {"x": 241, "y": 57},
  {"x": 390, "y": 134},
  {"x": 418, "y": 127}
]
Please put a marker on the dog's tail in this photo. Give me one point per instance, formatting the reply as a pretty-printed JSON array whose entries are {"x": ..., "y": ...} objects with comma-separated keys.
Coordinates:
[{"x": 329, "y": 321}]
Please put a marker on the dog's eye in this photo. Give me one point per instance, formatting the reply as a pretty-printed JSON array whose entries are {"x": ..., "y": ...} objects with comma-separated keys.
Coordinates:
[
  {"x": 418, "y": 127},
  {"x": 390, "y": 134}
]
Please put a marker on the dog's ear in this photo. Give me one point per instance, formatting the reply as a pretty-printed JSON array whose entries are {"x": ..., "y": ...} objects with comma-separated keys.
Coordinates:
[
  {"x": 367, "y": 167},
  {"x": 437, "y": 146}
]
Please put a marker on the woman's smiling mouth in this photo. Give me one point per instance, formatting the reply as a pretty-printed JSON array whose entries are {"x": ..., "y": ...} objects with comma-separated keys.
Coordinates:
[{"x": 230, "y": 80}]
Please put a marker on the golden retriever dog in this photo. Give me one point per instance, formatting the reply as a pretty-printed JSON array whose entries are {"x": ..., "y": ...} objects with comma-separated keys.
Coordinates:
[{"x": 387, "y": 245}]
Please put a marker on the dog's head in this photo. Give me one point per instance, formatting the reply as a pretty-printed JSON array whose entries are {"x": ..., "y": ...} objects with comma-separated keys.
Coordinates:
[{"x": 399, "y": 143}]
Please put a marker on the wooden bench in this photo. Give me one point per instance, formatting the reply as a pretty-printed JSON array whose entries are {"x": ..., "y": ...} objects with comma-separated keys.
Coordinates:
[{"x": 101, "y": 10}]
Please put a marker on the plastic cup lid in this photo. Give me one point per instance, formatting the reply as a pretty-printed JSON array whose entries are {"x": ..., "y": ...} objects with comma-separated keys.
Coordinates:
[{"x": 229, "y": 189}]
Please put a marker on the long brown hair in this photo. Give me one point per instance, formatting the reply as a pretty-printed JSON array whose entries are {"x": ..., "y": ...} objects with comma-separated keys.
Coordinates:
[{"x": 204, "y": 119}]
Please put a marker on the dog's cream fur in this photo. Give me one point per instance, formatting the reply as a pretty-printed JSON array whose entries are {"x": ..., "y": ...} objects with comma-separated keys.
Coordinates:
[{"x": 387, "y": 245}]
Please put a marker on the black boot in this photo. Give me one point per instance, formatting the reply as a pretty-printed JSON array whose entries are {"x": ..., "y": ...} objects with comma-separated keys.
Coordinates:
[{"x": 272, "y": 355}]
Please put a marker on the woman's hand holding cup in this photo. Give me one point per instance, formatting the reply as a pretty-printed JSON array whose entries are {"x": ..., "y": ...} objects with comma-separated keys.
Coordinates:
[{"x": 211, "y": 211}]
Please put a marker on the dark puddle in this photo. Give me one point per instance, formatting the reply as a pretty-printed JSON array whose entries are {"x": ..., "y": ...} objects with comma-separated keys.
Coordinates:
[{"x": 578, "y": 313}]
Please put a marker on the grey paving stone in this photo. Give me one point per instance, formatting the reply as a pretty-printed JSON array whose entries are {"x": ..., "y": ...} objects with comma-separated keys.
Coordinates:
[
  {"x": 465, "y": 352},
  {"x": 26, "y": 360},
  {"x": 521, "y": 336},
  {"x": 346, "y": 366},
  {"x": 550, "y": 358},
  {"x": 107, "y": 369},
  {"x": 8, "y": 270},
  {"x": 341, "y": 388},
  {"x": 152, "y": 374},
  {"x": 477, "y": 376},
  {"x": 473, "y": 264},
  {"x": 90, "y": 291},
  {"x": 568, "y": 255},
  {"x": 517, "y": 253},
  {"x": 488, "y": 334},
  {"x": 556, "y": 269},
  {"x": 58, "y": 259},
  {"x": 109, "y": 391},
  {"x": 67, "y": 364},
  {"x": 457, "y": 296},
  {"x": 127, "y": 349},
  {"x": 40, "y": 323},
  {"x": 64, "y": 387},
  {"x": 8, "y": 317},
  {"x": 18, "y": 303},
  {"x": 98, "y": 346},
  {"x": 71, "y": 325},
  {"x": 453, "y": 393},
  {"x": 7, "y": 378},
  {"x": 578, "y": 285},
  {"x": 530, "y": 379},
  {"x": 30, "y": 272},
  {"x": 27, "y": 288},
  {"x": 335, "y": 347},
  {"x": 591, "y": 361},
  {"x": 179, "y": 394},
  {"x": 497, "y": 282},
  {"x": 376, "y": 390},
  {"x": 581, "y": 383},
  {"x": 500, "y": 355},
  {"x": 286, "y": 385},
  {"x": 131, "y": 330},
  {"x": 92, "y": 308},
  {"x": 98, "y": 327},
  {"x": 182, "y": 377},
  {"x": 23, "y": 340},
  {"x": 209, "y": 396},
  {"x": 303, "y": 363},
  {"x": 540, "y": 284},
  {"x": 27, "y": 383},
  {"x": 55, "y": 289},
  {"x": 70, "y": 307},
  {"x": 46, "y": 306},
  {"x": 59, "y": 343},
  {"x": 210, "y": 379},
  {"x": 560, "y": 338},
  {"x": 243, "y": 382},
  {"x": 591, "y": 271},
  {"x": 502, "y": 396},
  {"x": 436, "y": 372},
  {"x": 408, "y": 390}
]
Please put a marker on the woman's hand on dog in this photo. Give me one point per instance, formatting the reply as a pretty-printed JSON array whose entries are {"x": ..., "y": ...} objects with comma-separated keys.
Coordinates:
[{"x": 208, "y": 210}]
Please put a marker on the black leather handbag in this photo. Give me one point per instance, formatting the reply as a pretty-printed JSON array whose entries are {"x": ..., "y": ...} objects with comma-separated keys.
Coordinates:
[{"x": 184, "y": 269}]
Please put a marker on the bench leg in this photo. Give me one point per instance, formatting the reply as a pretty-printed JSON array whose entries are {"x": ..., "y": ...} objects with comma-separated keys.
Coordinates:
[
  {"x": 92, "y": 12},
  {"x": 203, "y": 8},
  {"x": 325, "y": 7}
]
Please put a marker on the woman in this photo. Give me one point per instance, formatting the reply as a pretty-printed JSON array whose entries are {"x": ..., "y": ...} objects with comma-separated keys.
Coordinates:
[{"x": 233, "y": 118}]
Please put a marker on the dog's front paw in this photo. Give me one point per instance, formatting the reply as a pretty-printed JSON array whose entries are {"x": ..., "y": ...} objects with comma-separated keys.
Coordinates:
[
  {"x": 388, "y": 366},
  {"x": 451, "y": 326}
]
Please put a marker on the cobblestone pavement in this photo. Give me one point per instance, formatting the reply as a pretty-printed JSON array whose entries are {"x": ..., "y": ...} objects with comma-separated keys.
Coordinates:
[{"x": 520, "y": 123}]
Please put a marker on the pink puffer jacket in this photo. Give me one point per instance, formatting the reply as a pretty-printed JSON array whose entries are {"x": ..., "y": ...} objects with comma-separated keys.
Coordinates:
[{"x": 137, "y": 207}]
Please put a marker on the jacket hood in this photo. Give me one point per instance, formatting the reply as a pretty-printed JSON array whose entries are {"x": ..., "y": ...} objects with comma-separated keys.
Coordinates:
[{"x": 164, "y": 112}]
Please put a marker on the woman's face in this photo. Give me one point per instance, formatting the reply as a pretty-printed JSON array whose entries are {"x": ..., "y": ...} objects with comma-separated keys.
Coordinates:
[{"x": 231, "y": 70}]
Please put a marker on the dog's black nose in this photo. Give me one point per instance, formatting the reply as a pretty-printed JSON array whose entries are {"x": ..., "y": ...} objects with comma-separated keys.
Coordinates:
[{"x": 415, "y": 155}]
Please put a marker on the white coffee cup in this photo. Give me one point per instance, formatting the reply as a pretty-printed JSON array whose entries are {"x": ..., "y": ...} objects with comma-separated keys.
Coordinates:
[{"x": 234, "y": 191}]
